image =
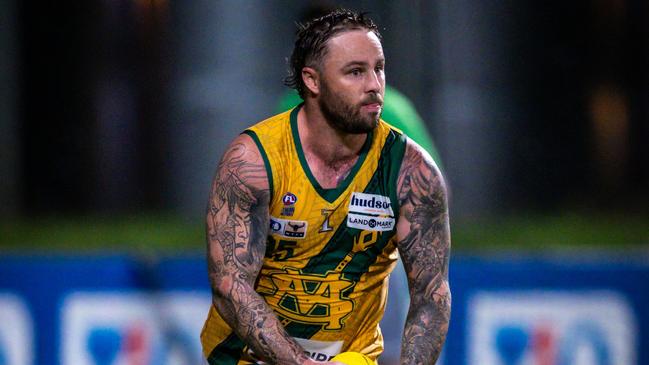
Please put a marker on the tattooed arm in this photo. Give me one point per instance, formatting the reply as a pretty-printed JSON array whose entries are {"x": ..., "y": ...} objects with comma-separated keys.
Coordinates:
[
  {"x": 423, "y": 236},
  {"x": 237, "y": 225}
]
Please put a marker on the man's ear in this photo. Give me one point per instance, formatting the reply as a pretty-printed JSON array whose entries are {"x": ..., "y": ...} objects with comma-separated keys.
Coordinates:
[{"x": 311, "y": 80}]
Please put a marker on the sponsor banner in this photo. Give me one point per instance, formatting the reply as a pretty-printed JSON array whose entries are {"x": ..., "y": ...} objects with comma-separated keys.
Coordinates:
[
  {"x": 370, "y": 223},
  {"x": 506, "y": 310},
  {"x": 16, "y": 326},
  {"x": 551, "y": 328},
  {"x": 370, "y": 204},
  {"x": 288, "y": 228},
  {"x": 132, "y": 328}
]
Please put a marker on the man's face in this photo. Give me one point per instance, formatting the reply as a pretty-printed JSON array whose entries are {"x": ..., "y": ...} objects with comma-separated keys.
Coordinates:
[{"x": 352, "y": 81}]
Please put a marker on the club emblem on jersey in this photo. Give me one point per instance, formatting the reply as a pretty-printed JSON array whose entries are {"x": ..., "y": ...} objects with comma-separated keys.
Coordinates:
[
  {"x": 289, "y": 199},
  {"x": 309, "y": 298}
]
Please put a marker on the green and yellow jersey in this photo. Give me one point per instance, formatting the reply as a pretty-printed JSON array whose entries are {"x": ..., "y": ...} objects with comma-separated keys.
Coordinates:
[{"x": 329, "y": 251}]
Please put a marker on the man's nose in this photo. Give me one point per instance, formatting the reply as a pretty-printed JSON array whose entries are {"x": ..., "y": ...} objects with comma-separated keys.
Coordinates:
[{"x": 374, "y": 82}]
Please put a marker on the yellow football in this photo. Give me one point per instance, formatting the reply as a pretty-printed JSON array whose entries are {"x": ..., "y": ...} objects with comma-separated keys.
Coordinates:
[{"x": 353, "y": 358}]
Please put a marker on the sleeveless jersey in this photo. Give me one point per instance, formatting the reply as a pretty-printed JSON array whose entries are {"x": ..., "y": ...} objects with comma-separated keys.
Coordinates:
[{"x": 329, "y": 251}]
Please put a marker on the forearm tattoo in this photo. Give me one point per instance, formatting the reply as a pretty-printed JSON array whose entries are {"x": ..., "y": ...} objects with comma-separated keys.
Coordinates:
[
  {"x": 237, "y": 225},
  {"x": 424, "y": 245}
]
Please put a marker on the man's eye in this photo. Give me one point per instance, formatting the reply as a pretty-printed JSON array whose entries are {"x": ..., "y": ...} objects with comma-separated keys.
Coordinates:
[{"x": 356, "y": 72}]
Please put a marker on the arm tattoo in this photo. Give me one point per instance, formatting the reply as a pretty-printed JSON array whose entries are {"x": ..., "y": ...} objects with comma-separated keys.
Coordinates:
[
  {"x": 424, "y": 245},
  {"x": 237, "y": 225}
]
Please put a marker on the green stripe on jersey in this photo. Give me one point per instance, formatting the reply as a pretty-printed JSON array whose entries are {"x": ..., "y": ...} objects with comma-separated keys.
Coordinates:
[
  {"x": 383, "y": 181},
  {"x": 228, "y": 352},
  {"x": 302, "y": 330},
  {"x": 269, "y": 172}
]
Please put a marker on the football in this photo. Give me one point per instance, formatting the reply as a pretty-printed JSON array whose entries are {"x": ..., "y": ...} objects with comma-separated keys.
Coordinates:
[{"x": 353, "y": 358}]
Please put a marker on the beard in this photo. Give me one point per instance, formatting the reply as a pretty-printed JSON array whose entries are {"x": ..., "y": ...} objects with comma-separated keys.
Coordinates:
[{"x": 346, "y": 117}]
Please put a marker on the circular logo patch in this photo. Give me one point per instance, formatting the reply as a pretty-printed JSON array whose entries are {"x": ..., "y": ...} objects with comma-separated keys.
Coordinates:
[{"x": 289, "y": 199}]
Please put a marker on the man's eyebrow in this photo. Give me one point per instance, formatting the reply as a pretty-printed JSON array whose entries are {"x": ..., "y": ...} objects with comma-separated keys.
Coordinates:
[
  {"x": 355, "y": 63},
  {"x": 362, "y": 63}
]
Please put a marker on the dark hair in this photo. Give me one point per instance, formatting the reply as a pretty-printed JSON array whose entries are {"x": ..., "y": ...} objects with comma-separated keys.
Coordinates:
[{"x": 311, "y": 43}]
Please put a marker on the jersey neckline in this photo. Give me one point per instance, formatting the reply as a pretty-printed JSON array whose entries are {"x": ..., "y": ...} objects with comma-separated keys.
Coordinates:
[{"x": 332, "y": 194}]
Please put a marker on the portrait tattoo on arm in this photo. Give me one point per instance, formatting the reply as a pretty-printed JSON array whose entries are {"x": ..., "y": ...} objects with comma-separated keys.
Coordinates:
[
  {"x": 236, "y": 228},
  {"x": 424, "y": 245}
]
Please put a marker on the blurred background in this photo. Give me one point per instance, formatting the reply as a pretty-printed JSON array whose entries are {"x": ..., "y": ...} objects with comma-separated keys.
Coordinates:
[{"x": 115, "y": 113}]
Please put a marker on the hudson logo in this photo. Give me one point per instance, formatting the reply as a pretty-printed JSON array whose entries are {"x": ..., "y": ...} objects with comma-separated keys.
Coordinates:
[
  {"x": 309, "y": 298},
  {"x": 370, "y": 212},
  {"x": 370, "y": 204}
]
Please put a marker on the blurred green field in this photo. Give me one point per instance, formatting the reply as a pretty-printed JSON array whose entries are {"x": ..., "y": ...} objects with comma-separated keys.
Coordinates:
[
  {"x": 148, "y": 233},
  {"x": 155, "y": 233},
  {"x": 534, "y": 232}
]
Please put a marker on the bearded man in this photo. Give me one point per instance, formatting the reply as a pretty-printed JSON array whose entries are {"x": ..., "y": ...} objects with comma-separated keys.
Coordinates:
[{"x": 310, "y": 209}]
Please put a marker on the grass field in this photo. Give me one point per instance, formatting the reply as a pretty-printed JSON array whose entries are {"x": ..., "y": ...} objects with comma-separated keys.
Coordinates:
[
  {"x": 155, "y": 233},
  {"x": 137, "y": 233},
  {"x": 538, "y": 232}
]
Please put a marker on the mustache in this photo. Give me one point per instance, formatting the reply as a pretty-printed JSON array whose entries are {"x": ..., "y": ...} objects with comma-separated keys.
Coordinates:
[{"x": 372, "y": 98}]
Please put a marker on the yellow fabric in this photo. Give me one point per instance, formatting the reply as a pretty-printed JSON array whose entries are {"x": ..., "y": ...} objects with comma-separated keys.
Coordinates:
[
  {"x": 353, "y": 358},
  {"x": 317, "y": 297}
]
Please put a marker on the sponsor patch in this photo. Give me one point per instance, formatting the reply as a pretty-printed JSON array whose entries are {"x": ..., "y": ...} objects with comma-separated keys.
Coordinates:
[
  {"x": 289, "y": 199},
  {"x": 288, "y": 211},
  {"x": 288, "y": 228},
  {"x": 370, "y": 204},
  {"x": 320, "y": 350},
  {"x": 370, "y": 223}
]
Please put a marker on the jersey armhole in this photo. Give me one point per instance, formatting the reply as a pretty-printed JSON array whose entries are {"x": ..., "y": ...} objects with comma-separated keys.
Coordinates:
[
  {"x": 397, "y": 151},
  {"x": 264, "y": 156}
]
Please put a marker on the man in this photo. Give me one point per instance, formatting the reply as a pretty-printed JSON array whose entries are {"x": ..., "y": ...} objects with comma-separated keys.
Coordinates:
[
  {"x": 308, "y": 208},
  {"x": 400, "y": 112},
  {"x": 397, "y": 109}
]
